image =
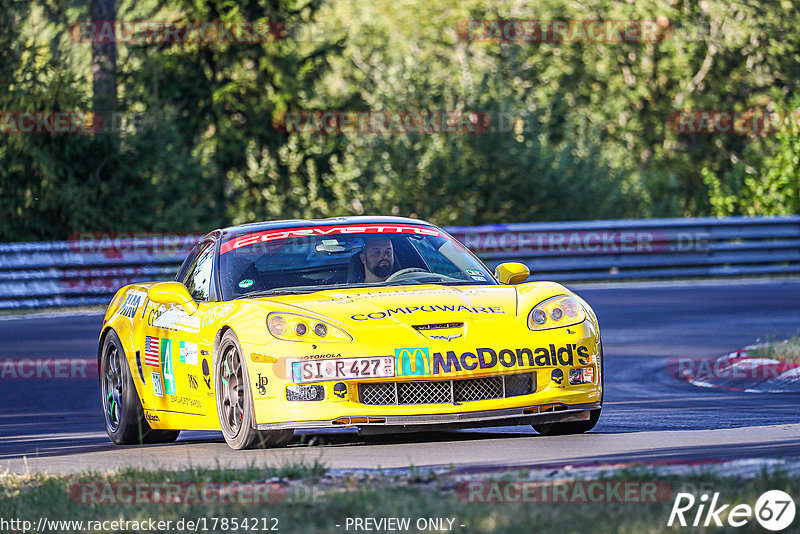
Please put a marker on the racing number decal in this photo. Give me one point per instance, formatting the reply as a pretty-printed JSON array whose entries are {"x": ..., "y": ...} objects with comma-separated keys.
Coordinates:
[{"x": 166, "y": 365}]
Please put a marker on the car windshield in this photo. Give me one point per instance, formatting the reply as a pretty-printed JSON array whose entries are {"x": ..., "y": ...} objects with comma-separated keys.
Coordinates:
[{"x": 334, "y": 257}]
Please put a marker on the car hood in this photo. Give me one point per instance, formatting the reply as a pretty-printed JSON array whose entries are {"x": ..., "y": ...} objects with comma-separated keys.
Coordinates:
[{"x": 417, "y": 305}]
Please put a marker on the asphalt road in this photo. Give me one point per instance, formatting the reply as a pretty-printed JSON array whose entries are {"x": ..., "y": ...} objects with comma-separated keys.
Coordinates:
[{"x": 56, "y": 424}]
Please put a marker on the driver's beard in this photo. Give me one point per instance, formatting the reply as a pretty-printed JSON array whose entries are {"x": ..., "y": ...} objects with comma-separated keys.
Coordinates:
[{"x": 381, "y": 269}]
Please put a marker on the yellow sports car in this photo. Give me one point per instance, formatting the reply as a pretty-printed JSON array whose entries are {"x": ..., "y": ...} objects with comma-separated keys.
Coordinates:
[{"x": 381, "y": 323}]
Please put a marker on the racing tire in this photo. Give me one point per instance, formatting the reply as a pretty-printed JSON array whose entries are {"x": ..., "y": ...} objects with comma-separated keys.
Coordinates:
[
  {"x": 577, "y": 427},
  {"x": 563, "y": 429},
  {"x": 122, "y": 409},
  {"x": 235, "y": 402}
]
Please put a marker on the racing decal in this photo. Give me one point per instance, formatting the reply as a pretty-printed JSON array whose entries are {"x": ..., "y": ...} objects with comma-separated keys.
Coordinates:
[
  {"x": 428, "y": 309},
  {"x": 340, "y": 390},
  {"x": 217, "y": 312},
  {"x": 486, "y": 358},
  {"x": 414, "y": 361},
  {"x": 152, "y": 351},
  {"x": 206, "y": 374},
  {"x": 132, "y": 301},
  {"x": 188, "y": 351},
  {"x": 478, "y": 278},
  {"x": 158, "y": 391},
  {"x": 166, "y": 363},
  {"x": 557, "y": 376},
  {"x": 289, "y": 233},
  {"x": 244, "y": 284},
  {"x": 192, "y": 381},
  {"x": 153, "y": 418}
]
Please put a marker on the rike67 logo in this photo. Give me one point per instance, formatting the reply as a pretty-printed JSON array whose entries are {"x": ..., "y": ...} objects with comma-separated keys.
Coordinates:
[{"x": 774, "y": 510}]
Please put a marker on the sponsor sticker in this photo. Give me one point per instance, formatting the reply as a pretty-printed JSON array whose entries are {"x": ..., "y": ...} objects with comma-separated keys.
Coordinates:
[
  {"x": 158, "y": 391},
  {"x": 412, "y": 361},
  {"x": 418, "y": 361},
  {"x": 188, "y": 352},
  {"x": 261, "y": 384},
  {"x": 132, "y": 301},
  {"x": 476, "y": 310},
  {"x": 244, "y": 284}
]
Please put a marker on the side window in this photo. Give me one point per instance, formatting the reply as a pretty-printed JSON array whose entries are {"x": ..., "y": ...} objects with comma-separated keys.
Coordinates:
[
  {"x": 197, "y": 278},
  {"x": 188, "y": 263}
]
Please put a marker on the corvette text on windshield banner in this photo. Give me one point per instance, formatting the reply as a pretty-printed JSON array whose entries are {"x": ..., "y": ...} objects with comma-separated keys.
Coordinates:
[{"x": 291, "y": 233}]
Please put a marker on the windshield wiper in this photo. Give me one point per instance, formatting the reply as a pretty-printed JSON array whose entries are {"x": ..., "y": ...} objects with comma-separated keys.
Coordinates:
[{"x": 279, "y": 291}]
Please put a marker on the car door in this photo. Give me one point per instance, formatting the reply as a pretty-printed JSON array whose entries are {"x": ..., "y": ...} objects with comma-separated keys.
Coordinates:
[{"x": 176, "y": 356}]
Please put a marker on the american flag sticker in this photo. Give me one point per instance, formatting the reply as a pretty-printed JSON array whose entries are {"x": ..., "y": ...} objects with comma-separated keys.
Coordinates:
[{"x": 152, "y": 351}]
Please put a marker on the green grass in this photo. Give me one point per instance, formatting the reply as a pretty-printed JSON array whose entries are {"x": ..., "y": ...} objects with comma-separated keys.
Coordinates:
[
  {"x": 317, "y": 502},
  {"x": 787, "y": 350}
]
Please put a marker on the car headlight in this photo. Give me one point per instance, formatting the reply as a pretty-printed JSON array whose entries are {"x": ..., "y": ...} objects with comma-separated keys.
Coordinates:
[
  {"x": 556, "y": 312},
  {"x": 295, "y": 327}
]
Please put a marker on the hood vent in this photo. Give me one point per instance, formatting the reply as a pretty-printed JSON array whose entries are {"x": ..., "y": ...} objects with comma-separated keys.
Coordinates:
[{"x": 437, "y": 326}]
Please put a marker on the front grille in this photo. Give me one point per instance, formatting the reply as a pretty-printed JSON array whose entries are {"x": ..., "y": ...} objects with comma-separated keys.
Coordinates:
[{"x": 447, "y": 391}]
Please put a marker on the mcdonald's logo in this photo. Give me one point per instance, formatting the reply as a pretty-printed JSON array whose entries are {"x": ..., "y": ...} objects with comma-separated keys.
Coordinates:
[{"x": 412, "y": 361}]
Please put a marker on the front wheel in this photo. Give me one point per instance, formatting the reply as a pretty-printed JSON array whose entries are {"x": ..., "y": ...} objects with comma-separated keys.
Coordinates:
[
  {"x": 234, "y": 400},
  {"x": 576, "y": 427},
  {"x": 124, "y": 417},
  {"x": 563, "y": 429}
]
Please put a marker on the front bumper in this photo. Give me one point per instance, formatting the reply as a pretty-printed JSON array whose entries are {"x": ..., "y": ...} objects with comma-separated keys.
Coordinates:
[
  {"x": 552, "y": 399},
  {"x": 540, "y": 414}
]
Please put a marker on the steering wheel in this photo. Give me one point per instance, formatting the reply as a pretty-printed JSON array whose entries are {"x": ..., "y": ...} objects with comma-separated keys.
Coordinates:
[{"x": 402, "y": 272}]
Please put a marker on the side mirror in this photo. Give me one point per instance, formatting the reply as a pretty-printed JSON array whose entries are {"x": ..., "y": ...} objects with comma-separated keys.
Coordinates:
[
  {"x": 511, "y": 273},
  {"x": 172, "y": 293}
]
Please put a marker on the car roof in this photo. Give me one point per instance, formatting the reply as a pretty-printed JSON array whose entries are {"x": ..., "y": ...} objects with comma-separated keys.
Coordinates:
[{"x": 300, "y": 223}]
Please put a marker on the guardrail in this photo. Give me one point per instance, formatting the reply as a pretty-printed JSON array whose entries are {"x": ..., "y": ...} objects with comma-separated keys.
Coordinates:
[{"x": 88, "y": 271}]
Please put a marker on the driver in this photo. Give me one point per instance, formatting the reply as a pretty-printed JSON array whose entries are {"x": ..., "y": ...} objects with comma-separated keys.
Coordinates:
[{"x": 378, "y": 258}]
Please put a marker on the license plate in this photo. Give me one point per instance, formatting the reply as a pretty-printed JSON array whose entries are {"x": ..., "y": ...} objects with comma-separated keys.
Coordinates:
[{"x": 342, "y": 369}]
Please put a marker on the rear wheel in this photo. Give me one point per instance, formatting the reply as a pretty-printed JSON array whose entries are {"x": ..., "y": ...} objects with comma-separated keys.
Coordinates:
[
  {"x": 122, "y": 409},
  {"x": 234, "y": 400}
]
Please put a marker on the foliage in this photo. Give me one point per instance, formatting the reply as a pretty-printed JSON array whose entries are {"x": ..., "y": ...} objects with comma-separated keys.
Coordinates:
[{"x": 580, "y": 129}]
